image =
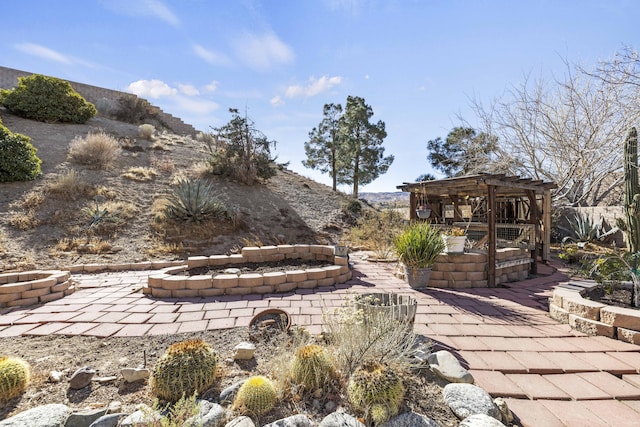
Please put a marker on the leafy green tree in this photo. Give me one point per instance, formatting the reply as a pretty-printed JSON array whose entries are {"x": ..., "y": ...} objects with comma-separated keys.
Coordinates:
[
  {"x": 425, "y": 177},
  {"x": 322, "y": 148},
  {"x": 361, "y": 150},
  {"x": 242, "y": 152},
  {"x": 463, "y": 152},
  {"x": 47, "y": 99}
]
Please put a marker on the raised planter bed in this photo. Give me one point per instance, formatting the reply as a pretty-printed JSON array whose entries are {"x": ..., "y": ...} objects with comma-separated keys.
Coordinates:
[
  {"x": 34, "y": 287},
  {"x": 569, "y": 305},
  {"x": 173, "y": 283}
]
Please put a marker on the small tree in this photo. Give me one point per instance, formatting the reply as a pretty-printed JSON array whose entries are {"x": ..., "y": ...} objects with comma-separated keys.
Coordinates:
[
  {"x": 18, "y": 160},
  {"x": 242, "y": 152},
  {"x": 463, "y": 152},
  {"x": 47, "y": 99},
  {"x": 362, "y": 147},
  {"x": 322, "y": 148}
]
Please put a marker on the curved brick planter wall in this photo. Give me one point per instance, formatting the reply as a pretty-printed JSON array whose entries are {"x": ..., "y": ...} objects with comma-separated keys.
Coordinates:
[
  {"x": 171, "y": 283},
  {"x": 567, "y": 305},
  {"x": 469, "y": 270},
  {"x": 34, "y": 287}
]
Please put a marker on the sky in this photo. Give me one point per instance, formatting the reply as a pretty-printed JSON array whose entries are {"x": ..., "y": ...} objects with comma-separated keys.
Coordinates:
[{"x": 417, "y": 63}]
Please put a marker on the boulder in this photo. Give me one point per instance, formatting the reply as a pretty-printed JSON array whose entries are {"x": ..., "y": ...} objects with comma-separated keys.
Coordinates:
[
  {"x": 293, "y": 421},
  {"x": 480, "y": 420},
  {"x": 53, "y": 415},
  {"x": 81, "y": 378},
  {"x": 468, "y": 399},
  {"x": 240, "y": 422},
  {"x": 446, "y": 366},
  {"x": 340, "y": 419},
  {"x": 410, "y": 419}
]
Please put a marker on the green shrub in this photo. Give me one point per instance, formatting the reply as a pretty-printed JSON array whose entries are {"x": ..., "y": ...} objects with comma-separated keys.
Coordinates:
[
  {"x": 18, "y": 160},
  {"x": 419, "y": 245},
  {"x": 193, "y": 200},
  {"x": 47, "y": 99}
]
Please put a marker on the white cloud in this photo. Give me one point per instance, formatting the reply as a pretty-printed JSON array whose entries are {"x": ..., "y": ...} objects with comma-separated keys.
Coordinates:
[
  {"x": 151, "y": 89},
  {"x": 43, "y": 52},
  {"x": 200, "y": 107},
  {"x": 210, "y": 56},
  {"x": 188, "y": 90},
  {"x": 314, "y": 87},
  {"x": 153, "y": 8},
  {"x": 264, "y": 51},
  {"x": 211, "y": 87},
  {"x": 277, "y": 101}
]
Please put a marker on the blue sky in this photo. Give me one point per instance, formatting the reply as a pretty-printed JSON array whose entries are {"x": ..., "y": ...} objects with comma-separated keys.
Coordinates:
[{"x": 416, "y": 63}]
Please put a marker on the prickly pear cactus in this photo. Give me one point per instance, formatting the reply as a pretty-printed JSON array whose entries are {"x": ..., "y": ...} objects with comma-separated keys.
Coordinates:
[
  {"x": 256, "y": 396},
  {"x": 312, "y": 367},
  {"x": 14, "y": 377},
  {"x": 375, "y": 390},
  {"x": 187, "y": 367}
]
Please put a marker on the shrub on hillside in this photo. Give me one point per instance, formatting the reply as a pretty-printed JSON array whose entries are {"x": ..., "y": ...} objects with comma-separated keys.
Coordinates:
[
  {"x": 18, "y": 160},
  {"x": 47, "y": 99},
  {"x": 97, "y": 150}
]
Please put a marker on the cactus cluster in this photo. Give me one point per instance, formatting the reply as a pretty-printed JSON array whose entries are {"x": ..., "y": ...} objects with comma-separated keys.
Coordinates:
[
  {"x": 256, "y": 396},
  {"x": 376, "y": 390},
  {"x": 631, "y": 192},
  {"x": 186, "y": 367},
  {"x": 312, "y": 367},
  {"x": 14, "y": 377}
]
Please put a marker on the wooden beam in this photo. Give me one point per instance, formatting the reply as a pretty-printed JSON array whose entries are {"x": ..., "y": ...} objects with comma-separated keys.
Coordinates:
[
  {"x": 412, "y": 207},
  {"x": 491, "y": 219},
  {"x": 534, "y": 213}
]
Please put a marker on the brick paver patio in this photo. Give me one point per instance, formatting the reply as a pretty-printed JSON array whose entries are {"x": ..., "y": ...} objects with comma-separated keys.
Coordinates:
[{"x": 549, "y": 374}]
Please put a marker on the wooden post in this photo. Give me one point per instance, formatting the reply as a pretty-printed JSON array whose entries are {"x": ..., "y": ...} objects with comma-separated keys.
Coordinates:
[
  {"x": 546, "y": 224},
  {"x": 491, "y": 219},
  {"x": 412, "y": 206},
  {"x": 534, "y": 213}
]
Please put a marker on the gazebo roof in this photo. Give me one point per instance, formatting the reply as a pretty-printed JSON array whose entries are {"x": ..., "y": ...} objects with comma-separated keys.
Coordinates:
[{"x": 477, "y": 185}]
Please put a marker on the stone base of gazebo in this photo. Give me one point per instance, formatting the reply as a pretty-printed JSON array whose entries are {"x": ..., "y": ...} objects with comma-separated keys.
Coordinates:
[{"x": 469, "y": 270}]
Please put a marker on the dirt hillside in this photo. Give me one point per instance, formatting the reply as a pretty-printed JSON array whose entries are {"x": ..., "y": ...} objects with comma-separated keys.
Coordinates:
[{"x": 42, "y": 225}]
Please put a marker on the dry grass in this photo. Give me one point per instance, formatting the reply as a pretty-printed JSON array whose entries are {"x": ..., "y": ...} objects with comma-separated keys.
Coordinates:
[
  {"x": 160, "y": 248},
  {"x": 366, "y": 234},
  {"x": 24, "y": 221},
  {"x": 201, "y": 169},
  {"x": 87, "y": 245},
  {"x": 69, "y": 185},
  {"x": 33, "y": 200},
  {"x": 146, "y": 131},
  {"x": 140, "y": 174},
  {"x": 105, "y": 192},
  {"x": 107, "y": 217},
  {"x": 163, "y": 163},
  {"x": 96, "y": 150}
]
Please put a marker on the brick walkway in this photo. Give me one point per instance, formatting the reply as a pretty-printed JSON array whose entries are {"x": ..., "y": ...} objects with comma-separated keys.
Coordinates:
[{"x": 550, "y": 374}]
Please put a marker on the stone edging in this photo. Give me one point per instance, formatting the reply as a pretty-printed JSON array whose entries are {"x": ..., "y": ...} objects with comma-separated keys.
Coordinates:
[
  {"x": 170, "y": 283},
  {"x": 34, "y": 287},
  {"x": 568, "y": 305}
]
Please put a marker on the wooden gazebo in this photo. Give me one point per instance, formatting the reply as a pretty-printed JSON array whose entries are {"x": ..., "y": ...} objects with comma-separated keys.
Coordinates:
[{"x": 499, "y": 210}]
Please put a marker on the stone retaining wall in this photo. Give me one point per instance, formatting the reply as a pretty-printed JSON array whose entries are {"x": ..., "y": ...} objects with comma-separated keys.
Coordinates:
[
  {"x": 34, "y": 287},
  {"x": 568, "y": 305},
  {"x": 173, "y": 283}
]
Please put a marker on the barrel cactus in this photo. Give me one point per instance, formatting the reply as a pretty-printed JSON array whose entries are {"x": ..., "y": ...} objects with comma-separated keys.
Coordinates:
[
  {"x": 256, "y": 396},
  {"x": 312, "y": 367},
  {"x": 14, "y": 377},
  {"x": 375, "y": 390},
  {"x": 187, "y": 367}
]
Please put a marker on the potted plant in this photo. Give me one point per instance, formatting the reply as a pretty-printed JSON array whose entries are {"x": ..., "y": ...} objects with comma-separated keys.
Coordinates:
[
  {"x": 454, "y": 240},
  {"x": 417, "y": 247}
]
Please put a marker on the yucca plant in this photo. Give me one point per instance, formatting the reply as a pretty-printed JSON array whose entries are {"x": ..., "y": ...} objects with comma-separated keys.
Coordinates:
[
  {"x": 419, "y": 245},
  {"x": 193, "y": 200}
]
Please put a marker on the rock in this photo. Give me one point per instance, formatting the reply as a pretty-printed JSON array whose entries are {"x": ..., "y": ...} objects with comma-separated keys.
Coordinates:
[
  {"x": 81, "y": 378},
  {"x": 316, "y": 404},
  {"x": 480, "y": 420},
  {"x": 104, "y": 380},
  {"x": 240, "y": 422},
  {"x": 340, "y": 419},
  {"x": 293, "y": 421},
  {"x": 55, "y": 376},
  {"x": 114, "y": 407},
  {"x": 211, "y": 415},
  {"x": 232, "y": 271},
  {"x": 410, "y": 419},
  {"x": 228, "y": 394},
  {"x": 244, "y": 351},
  {"x": 53, "y": 415},
  {"x": 83, "y": 419},
  {"x": 446, "y": 366},
  {"x": 330, "y": 406},
  {"x": 143, "y": 416},
  {"x": 109, "y": 420},
  {"x": 507, "y": 415},
  {"x": 132, "y": 375},
  {"x": 468, "y": 399}
]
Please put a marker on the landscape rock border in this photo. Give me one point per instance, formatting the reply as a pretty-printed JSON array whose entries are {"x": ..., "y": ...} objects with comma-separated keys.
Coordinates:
[{"x": 26, "y": 288}]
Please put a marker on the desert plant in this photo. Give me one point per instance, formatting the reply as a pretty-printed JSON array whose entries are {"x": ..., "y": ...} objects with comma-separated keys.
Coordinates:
[
  {"x": 18, "y": 160},
  {"x": 366, "y": 233},
  {"x": 376, "y": 390},
  {"x": 97, "y": 150},
  {"x": 312, "y": 367},
  {"x": 632, "y": 191},
  {"x": 256, "y": 396},
  {"x": 419, "y": 245},
  {"x": 583, "y": 229},
  {"x": 69, "y": 185},
  {"x": 140, "y": 174},
  {"x": 186, "y": 367},
  {"x": 184, "y": 412},
  {"x": 14, "y": 377},
  {"x": 193, "y": 200},
  {"x": 146, "y": 131},
  {"x": 47, "y": 99}
]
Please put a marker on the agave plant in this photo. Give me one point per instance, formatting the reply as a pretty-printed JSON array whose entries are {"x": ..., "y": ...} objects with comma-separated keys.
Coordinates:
[
  {"x": 583, "y": 229},
  {"x": 193, "y": 200}
]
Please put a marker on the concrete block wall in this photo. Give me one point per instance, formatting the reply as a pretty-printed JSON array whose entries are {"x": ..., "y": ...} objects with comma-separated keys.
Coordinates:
[
  {"x": 34, "y": 287},
  {"x": 93, "y": 94},
  {"x": 172, "y": 282}
]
